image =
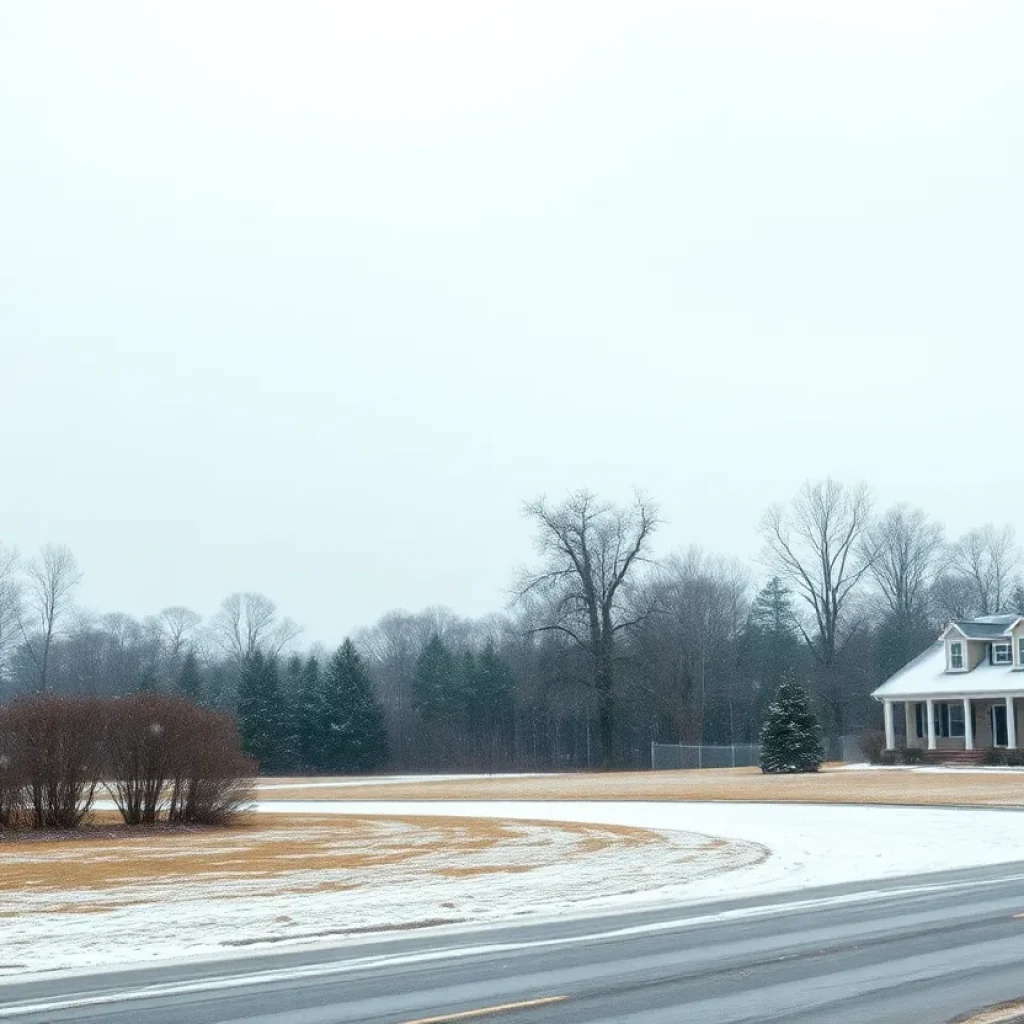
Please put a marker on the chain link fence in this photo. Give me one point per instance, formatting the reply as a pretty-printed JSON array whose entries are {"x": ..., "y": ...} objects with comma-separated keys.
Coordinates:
[{"x": 665, "y": 756}]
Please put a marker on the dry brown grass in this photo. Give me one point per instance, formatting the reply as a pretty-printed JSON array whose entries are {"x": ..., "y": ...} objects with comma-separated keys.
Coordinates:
[
  {"x": 982, "y": 789},
  {"x": 267, "y": 846}
]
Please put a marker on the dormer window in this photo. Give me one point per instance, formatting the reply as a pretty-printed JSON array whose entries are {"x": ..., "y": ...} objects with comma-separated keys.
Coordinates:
[
  {"x": 1002, "y": 654},
  {"x": 956, "y": 655}
]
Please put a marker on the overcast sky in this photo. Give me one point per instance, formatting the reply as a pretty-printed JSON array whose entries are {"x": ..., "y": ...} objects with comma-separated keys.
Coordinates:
[{"x": 307, "y": 298}]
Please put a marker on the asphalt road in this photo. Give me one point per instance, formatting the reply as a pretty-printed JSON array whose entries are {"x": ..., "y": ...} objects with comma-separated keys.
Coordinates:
[{"x": 918, "y": 950}]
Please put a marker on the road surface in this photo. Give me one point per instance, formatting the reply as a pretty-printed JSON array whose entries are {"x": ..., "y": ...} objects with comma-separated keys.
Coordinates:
[{"x": 918, "y": 950}]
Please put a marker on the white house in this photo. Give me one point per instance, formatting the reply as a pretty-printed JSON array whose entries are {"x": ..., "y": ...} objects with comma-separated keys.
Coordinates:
[{"x": 963, "y": 692}]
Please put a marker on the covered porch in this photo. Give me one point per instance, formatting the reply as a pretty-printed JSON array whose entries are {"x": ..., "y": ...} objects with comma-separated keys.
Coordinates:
[{"x": 945, "y": 722}]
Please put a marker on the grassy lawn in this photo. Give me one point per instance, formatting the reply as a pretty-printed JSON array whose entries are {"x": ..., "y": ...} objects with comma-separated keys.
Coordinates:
[
  {"x": 832, "y": 785},
  {"x": 110, "y": 894},
  {"x": 301, "y": 853}
]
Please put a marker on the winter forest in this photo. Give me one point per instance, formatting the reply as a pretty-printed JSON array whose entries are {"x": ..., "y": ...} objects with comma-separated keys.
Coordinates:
[{"x": 601, "y": 648}]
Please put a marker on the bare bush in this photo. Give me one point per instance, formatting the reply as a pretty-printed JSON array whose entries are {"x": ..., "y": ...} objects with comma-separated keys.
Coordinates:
[
  {"x": 144, "y": 735},
  {"x": 12, "y": 780},
  {"x": 58, "y": 752},
  {"x": 212, "y": 779},
  {"x": 872, "y": 745}
]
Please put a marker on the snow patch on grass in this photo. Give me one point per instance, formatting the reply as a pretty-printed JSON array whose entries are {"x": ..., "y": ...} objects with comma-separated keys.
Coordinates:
[{"x": 76, "y": 904}]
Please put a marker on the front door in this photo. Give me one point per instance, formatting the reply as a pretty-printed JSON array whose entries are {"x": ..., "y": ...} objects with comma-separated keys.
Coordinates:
[{"x": 998, "y": 717}]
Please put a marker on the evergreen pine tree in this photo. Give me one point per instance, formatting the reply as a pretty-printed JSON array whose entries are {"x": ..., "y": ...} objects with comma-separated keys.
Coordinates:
[
  {"x": 221, "y": 688},
  {"x": 288, "y": 758},
  {"x": 259, "y": 710},
  {"x": 146, "y": 682},
  {"x": 436, "y": 682},
  {"x": 492, "y": 701},
  {"x": 791, "y": 738},
  {"x": 771, "y": 648},
  {"x": 898, "y": 638},
  {"x": 462, "y": 700},
  {"x": 354, "y": 734},
  {"x": 311, "y": 727},
  {"x": 189, "y": 683}
]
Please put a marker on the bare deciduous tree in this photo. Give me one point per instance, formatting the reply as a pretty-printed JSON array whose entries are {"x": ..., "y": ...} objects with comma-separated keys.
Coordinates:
[
  {"x": 701, "y": 607},
  {"x": 247, "y": 623},
  {"x": 952, "y": 597},
  {"x": 51, "y": 579},
  {"x": 904, "y": 550},
  {"x": 819, "y": 543},
  {"x": 177, "y": 625},
  {"x": 10, "y": 604},
  {"x": 987, "y": 559},
  {"x": 591, "y": 553}
]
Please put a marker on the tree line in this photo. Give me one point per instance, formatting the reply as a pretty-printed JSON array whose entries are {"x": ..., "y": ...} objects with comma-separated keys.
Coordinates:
[{"x": 602, "y": 649}]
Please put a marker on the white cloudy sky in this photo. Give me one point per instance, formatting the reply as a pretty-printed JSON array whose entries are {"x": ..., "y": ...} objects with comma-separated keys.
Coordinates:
[{"x": 307, "y": 297}]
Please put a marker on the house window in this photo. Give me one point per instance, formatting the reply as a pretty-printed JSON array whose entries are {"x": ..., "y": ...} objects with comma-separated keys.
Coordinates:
[
  {"x": 919, "y": 712},
  {"x": 949, "y": 720},
  {"x": 956, "y": 655},
  {"x": 1002, "y": 654},
  {"x": 1020, "y": 651}
]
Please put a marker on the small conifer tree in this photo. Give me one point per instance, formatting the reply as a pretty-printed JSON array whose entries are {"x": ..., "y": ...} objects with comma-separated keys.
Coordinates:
[{"x": 790, "y": 737}]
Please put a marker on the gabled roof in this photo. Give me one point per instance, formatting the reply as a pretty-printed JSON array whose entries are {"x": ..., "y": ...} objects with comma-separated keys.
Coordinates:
[
  {"x": 972, "y": 629},
  {"x": 926, "y": 676},
  {"x": 984, "y": 627}
]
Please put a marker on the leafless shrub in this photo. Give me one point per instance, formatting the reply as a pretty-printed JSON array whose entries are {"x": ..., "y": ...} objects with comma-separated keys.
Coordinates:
[
  {"x": 12, "y": 780},
  {"x": 212, "y": 779},
  {"x": 872, "y": 745},
  {"x": 144, "y": 736},
  {"x": 58, "y": 752},
  {"x": 161, "y": 753}
]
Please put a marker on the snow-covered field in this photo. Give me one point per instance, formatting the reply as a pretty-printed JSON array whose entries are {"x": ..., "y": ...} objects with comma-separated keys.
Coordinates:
[
  {"x": 222, "y": 892},
  {"x": 810, "y": 844},
  {"x": 398, "y": 878}
]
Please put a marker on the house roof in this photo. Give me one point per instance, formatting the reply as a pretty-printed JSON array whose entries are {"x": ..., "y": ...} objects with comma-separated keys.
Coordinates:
[
  {"x": 979, "y": 629},
  {"x": 926, "y": 676}
]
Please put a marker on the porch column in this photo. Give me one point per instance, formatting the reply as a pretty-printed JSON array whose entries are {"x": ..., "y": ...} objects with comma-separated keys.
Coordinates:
[
  {"x": 890, "y": 729},
  {"x": 930, "y": 711},
  {"x": 910, "y": 722},
  {"x": 1011, "y": 725},
  {"x": 968, "y": 725}
]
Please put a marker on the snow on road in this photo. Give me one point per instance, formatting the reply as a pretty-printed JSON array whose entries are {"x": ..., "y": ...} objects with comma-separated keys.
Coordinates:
[{"x": 810, "y": 844}]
